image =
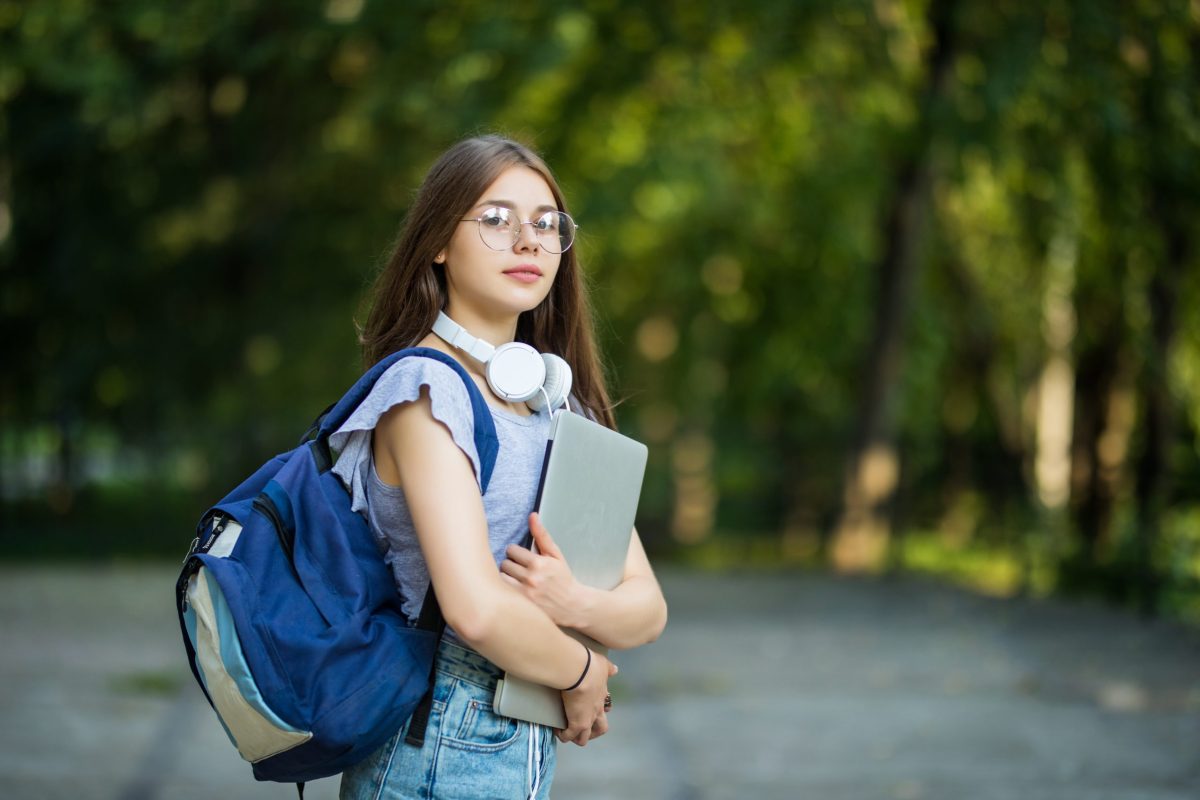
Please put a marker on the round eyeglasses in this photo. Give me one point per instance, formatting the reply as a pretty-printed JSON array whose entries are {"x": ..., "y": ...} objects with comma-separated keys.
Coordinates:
[{"x": 500, "y": 229}]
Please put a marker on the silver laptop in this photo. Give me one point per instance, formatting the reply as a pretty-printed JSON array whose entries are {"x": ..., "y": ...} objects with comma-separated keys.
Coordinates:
[{"x": 587, "y": 500}]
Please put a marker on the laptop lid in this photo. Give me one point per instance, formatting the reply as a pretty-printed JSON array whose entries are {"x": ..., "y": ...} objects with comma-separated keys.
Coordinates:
[{"x": 588, "y": 496}]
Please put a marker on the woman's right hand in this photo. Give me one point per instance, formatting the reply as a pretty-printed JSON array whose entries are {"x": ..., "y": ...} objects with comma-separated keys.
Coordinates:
[{"x": 584, "y": 704}]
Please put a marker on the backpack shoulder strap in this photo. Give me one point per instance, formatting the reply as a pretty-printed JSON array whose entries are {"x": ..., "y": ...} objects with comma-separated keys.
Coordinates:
[{"x": 487, "y": 444}]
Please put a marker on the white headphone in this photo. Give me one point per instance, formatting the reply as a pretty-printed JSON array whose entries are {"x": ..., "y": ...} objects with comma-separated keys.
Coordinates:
[{"x": 516, "y": 372}]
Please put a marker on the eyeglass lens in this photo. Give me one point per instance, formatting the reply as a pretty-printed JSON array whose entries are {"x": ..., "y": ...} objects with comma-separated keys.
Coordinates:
[{"x": 500, "y": 229}]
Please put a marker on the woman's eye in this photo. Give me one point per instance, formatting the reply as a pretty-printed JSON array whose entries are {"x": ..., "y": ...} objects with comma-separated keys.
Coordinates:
[
  {"x": 546, "y": 223},
  {"x": 494, "y": 218}
]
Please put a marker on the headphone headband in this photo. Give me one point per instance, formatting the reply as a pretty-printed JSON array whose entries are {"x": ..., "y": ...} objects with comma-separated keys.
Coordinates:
[{"x": 456, "y": 335}]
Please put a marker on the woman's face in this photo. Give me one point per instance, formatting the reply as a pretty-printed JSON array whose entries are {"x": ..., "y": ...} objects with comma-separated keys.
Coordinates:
[{"x": 500, "y": 283}]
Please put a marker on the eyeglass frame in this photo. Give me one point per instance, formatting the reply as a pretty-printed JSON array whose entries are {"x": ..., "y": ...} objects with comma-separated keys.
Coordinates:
[{"x": 520, "y": 226}]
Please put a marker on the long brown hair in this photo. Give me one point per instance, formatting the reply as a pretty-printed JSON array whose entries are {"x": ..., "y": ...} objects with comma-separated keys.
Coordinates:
[{"x": 411, "y": 289}]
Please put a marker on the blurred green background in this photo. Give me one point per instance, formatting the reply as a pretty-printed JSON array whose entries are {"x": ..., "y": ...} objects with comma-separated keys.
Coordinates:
[{"x": 885, "y": 285}]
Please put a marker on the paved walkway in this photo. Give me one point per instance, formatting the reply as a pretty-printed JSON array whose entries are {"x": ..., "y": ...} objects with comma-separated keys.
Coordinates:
[{"x": 782, "y": 686}]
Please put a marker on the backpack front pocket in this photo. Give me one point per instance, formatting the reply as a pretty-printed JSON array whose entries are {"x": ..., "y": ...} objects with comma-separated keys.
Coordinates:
[{"x": 253, "y": 726}]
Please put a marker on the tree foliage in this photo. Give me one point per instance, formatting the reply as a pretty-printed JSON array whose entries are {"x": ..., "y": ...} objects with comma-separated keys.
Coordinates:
[{"x": 193, "y": 198}]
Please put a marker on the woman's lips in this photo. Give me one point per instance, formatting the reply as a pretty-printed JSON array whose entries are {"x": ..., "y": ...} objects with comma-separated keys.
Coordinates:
[{"x": 526, "y": 273}]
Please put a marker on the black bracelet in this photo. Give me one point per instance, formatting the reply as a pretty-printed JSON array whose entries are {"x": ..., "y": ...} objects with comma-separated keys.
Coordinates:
[{"x": 583, "y": 674}]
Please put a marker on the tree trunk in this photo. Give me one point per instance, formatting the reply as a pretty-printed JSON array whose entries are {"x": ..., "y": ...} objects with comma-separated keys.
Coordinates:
[
  {"x": 61, "y": 492},
  {"x": 1172, "y": 205},
  {"x": 860, "y": 538},
  {"x": 1092, "y": 480},
  {"x": 1153, "y": 472}
]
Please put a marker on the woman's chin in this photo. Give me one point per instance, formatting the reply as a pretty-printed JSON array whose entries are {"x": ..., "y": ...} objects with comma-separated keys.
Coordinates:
[
  {"x": 521, "y": 302},
  {"x": 507, "y": 303}
]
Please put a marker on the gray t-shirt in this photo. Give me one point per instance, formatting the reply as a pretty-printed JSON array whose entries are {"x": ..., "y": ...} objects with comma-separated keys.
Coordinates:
[{"x": 511, "y": 491}]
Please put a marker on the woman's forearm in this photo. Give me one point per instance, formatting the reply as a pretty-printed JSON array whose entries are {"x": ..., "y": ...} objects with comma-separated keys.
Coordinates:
[
  {"x": 631, "y": 614},
  {"x": 516, "y": 635},
  {"x": 513, "y": 633},
  {"x": 634, "y": 613}
]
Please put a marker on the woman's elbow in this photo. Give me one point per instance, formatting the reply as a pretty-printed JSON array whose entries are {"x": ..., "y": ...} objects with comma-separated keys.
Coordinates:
[
  {"x": 474, "y": 623},
  {"x": 659, "y": 621},
  {"x": 647, "y": 631}
]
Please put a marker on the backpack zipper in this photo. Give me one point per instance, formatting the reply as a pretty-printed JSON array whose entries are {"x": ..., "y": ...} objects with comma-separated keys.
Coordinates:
[{"x": 264, "y": 505}]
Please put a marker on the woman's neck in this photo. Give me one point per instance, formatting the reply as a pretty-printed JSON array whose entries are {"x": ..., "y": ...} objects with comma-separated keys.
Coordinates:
[{"x": 495, "y": 331}]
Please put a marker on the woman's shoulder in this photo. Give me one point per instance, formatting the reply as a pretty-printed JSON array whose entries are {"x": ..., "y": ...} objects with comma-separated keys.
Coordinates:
[
  {"x": 405, "y": 382},
  {"x": 422, "y": 371},
  {"x": 410, "y": 378}
]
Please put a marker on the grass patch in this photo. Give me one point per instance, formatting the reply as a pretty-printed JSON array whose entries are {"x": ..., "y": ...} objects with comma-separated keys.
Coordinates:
[
  {"x": 148, "y": 684},
  {"x": 734, "y": 551},
  {"x": 991, "y": 570},
  {"x": 120, "y": 520}
]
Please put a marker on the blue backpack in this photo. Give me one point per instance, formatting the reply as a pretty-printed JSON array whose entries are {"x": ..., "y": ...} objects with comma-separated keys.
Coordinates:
[{"x": 291, "y": 619}]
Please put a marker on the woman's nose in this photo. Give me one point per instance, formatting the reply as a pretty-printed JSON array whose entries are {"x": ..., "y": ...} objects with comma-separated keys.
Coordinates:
[{"x": 527, "y": 239}]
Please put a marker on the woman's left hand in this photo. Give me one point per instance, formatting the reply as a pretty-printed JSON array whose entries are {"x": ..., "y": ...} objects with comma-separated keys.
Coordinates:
[{"x": 544, "y": 576}]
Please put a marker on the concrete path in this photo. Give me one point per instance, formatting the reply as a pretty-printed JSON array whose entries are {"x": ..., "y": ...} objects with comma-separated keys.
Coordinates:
[{"x": 779, "y": 686}]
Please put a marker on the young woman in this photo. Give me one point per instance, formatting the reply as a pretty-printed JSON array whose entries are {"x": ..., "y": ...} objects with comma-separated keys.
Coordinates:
[{"x": 488, "y": 242}]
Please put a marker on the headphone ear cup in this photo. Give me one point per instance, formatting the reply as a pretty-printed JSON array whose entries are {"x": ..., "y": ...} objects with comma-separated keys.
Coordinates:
[
  {"x": 516, "y": 373},
  {"x": 557, "y": 385}
]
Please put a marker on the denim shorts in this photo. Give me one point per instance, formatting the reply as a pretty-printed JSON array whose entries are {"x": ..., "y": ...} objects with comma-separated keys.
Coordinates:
[{"x": 469, "y": 753}]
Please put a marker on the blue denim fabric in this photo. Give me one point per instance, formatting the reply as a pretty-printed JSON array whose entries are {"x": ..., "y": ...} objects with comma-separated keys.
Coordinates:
[{"x": 469, "y": 753}]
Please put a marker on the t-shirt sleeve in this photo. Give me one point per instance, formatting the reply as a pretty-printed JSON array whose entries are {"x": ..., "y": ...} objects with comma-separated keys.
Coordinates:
[{"x": 450, "y": 404}]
